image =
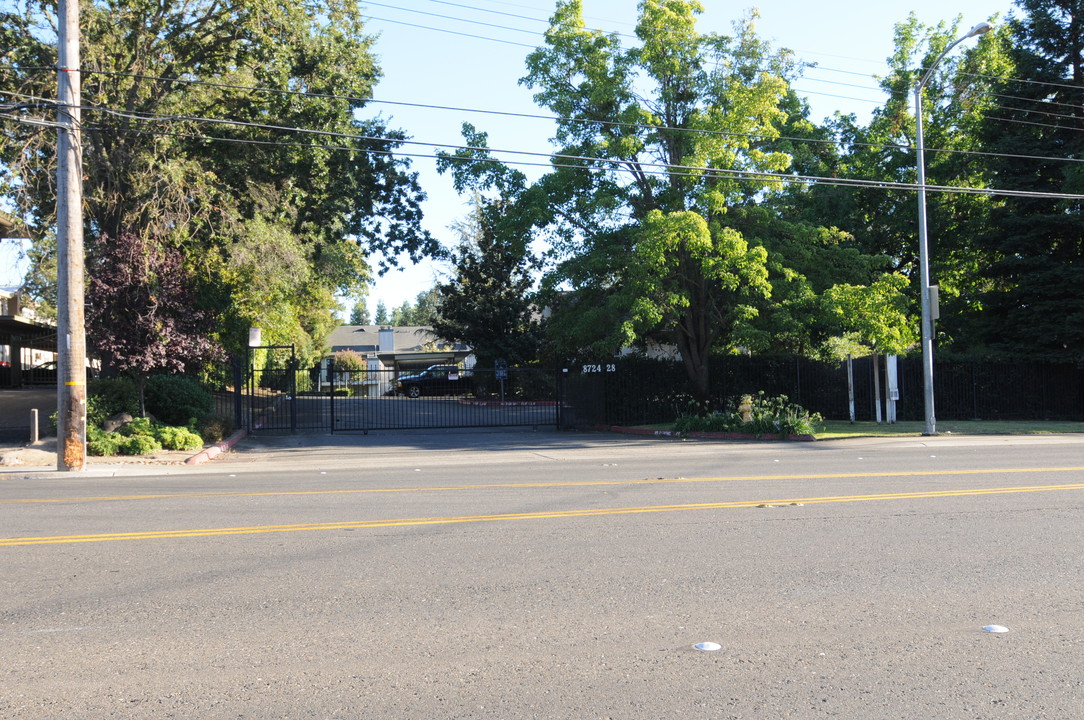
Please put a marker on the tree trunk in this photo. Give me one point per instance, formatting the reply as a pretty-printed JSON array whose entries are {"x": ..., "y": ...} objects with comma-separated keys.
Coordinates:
[
  {"x": 694, "y": 357},
  {"x": 141, "y": 382}
]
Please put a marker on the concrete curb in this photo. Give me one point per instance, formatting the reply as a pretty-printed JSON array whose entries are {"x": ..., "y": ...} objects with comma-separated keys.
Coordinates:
[
  {"x": 706, "y": 435},
  {"x": 216, "y": 450}
]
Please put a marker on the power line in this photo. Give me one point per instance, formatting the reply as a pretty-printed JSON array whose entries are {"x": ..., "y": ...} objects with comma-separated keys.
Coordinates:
[
  {"x": 624, "y": 35},
  {"x": 807, "y": 92},
  {"x": 618, "y": 165},
  {"x": 1038, "y": 124},
  {"x": 552, "y": 118},
  {"x": 1040, "y": 83},
  {"x": 369, "y": 3},
  {"x": 450, "y": 32}
]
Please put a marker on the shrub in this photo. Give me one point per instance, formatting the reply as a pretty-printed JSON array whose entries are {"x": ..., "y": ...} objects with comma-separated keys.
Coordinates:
[
  {"x": 213, "y": 428},
  {"x": 178, "y": 438},
  {"x": 140, "y": 437},
  {"x": 770, "y": 416},
  {"x": 139, "y": 445},
  {"x": 110, "y": 396},
  {"x": 138, "y": 426},
  {"x": 176, "y": 399},
  {"x": 103, "y": 443}
]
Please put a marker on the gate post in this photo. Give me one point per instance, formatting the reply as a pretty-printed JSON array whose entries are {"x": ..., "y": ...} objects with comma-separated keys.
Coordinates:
[
  {"x": 331, "y": 393},
  {"x": 291, "y": 388},
  {"x": 238, "y": 393},
  {"x": 557, "y": 395}
]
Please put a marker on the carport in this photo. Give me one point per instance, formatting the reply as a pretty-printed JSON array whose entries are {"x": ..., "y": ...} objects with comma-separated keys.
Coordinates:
[{"x": 18, "y": 332}]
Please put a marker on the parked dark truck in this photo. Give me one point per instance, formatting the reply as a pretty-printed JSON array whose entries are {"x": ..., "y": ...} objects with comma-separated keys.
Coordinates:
[{"x": 435, "y": 380}]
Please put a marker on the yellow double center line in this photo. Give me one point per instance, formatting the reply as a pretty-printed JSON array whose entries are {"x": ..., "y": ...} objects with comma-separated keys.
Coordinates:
[
  {"x": 536, "y": 485},
  {"x": 599, "y": 512}
]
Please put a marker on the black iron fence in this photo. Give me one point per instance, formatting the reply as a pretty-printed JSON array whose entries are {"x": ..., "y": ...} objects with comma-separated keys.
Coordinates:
[
  {"x": 983, "y": 390},
  {"x": 638, "y": 391},
  {"x": 289, "y": 399}
]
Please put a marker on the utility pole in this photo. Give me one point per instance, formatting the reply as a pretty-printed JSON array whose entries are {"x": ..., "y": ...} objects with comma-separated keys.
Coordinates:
[{"x": 71, "y": 452}]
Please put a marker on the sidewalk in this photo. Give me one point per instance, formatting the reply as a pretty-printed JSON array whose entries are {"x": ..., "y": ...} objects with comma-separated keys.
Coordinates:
[
  {"x": 335, "y": 451},
  {"x": 41, "y": 458},
  {"x": 434, "y": 448}
]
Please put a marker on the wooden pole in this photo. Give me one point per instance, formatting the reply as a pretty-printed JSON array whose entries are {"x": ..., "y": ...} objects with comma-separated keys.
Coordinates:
[{"x": 71, "y": 337}]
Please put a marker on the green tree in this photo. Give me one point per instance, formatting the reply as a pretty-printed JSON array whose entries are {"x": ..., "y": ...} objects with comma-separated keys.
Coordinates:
[
  {"x": 359, "y": 315},
  {"x": 402, "y": 315},
  {"x": 274, "y": 224},
  {"x": 423, "y": 311},
  {"x": 349, "y": 361},
  {"x": 883, "y": 222},
  {"x": 382, "y": 317},
  {"x": 874, "y": 316},
  {"x": 426, "y": 307},
  {"x": 487, "y": 303},
  {"x": 663, "y": 141},
  {"x": 1031, "y": 302}
]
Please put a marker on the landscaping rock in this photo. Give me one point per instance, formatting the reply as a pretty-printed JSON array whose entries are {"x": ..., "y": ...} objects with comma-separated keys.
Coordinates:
[{"x": 116, "y": 422}]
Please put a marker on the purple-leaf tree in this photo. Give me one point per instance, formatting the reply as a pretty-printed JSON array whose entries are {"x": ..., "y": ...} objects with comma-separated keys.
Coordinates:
[{"x": 141, "y": 310}]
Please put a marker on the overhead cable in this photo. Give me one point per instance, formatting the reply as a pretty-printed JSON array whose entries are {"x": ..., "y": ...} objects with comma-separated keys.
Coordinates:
[
  {"x": 553, "y": 118},
  {"x": 618, "y": 164}
]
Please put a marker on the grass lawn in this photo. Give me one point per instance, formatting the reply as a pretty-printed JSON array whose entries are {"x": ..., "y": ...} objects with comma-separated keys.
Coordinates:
[
  {"x": 841, "y": 429},
  {"x": 837, "y": 429}
]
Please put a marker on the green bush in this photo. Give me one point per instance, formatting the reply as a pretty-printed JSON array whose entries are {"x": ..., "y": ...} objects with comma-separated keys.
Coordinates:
[
  {"x": 178, "y": 438},
  {"x": 140, "y": 437},
  {"x": 102, "y": 443},
  {"x": 138, "y": 426},
  {"x": 769, "y": 416},
  {"x": 139, "y": 445},
  {"x": 176, "y": 399},
  {"x": 213, "y": 428},
  {"x": 110, "y": 396}
]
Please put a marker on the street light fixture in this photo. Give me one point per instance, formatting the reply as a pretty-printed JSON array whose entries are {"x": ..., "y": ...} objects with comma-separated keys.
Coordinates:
[{"x": 923, "y": 240}]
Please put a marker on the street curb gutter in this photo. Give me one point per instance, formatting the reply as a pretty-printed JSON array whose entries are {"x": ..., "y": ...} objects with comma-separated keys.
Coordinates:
[{"x": 216, "y": 450}]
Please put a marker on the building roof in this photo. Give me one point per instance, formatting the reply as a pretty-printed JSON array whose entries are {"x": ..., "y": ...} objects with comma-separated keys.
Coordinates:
[{"x": 406, "y": 340}]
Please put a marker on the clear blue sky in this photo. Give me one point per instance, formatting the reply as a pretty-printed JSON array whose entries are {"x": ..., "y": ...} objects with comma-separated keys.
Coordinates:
[{"x": 424, "y": 65}]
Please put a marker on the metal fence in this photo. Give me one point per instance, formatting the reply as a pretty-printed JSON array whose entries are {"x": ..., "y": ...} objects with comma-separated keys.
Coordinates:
[
  {"x": 983, "y": 390},
  {"x": 637, "y": 391},
  {"x": 288, "y": 399}
]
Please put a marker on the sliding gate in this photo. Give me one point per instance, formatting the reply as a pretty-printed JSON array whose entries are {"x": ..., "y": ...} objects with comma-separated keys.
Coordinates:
[
  {"x": 288, "y": 399},
  {"x": 375, "y": 400}
]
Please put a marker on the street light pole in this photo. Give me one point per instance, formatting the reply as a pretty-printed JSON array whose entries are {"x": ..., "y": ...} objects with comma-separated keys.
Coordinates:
[{"x": 923, "y": 239}]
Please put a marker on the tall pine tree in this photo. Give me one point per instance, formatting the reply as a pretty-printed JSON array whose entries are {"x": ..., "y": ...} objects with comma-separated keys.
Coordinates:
[{"x": 1033, "y": 303}]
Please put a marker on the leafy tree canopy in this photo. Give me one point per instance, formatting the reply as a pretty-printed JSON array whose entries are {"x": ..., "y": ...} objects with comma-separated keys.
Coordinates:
[
  {"x": 274, "y": 224},
  {"x": 662, "y": 136},
  {"x": 487, "y": 304}
]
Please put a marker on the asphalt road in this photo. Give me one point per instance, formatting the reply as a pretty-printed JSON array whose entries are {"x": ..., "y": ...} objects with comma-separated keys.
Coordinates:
[{"x": 552, "y": 575}]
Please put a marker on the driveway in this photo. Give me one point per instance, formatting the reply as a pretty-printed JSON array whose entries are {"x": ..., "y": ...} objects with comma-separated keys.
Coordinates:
[{"x": 15, "y": 407}]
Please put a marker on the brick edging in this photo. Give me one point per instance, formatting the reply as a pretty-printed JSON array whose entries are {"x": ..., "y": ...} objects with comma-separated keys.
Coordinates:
[{"x": 216, "y": 450}]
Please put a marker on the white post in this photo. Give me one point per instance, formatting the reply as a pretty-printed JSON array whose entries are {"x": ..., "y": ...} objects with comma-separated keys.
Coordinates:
[
  {"x": 850, "y": 386},
  {"x": 892, "y": 384}
]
